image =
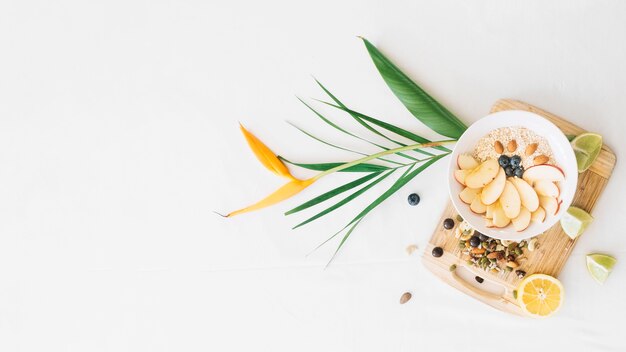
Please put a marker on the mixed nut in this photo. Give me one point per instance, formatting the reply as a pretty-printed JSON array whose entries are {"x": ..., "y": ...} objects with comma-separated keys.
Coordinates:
[{"x": 491, "y": 254}]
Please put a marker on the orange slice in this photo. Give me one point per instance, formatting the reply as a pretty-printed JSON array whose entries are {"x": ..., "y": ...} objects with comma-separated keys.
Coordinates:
[{"x": 540, "y": 295}]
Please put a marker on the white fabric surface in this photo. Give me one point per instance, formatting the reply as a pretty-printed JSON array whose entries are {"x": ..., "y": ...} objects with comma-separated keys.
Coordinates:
[{"x": 119, "y": 136}]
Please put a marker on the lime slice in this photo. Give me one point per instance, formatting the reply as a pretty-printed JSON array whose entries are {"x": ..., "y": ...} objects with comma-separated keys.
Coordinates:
[
  {"x": 575, "y": 221},
  {"x": 586, "y": 146},
  {"x": 600, "y": 266}
]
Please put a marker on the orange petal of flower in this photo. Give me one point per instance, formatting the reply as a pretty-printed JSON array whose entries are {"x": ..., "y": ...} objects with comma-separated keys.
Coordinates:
[
  {"x": 265, "y": 155},
  {"x": 286, "y": 191}
]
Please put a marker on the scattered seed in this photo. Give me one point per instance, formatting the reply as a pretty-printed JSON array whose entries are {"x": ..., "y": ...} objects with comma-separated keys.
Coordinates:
[
  {"x": 453, "y": 267},
  {"x": 520, "y": 273},
  {"x": 411, "y": 248},
  {"x": 515, "y": 294},
  {"x": 479, "y": 279},
  {"x": 508, "y": 269},
  {"x": 518, "y": 251},
  {"x": 405, "y": 297},
  {"x": 459, "y": 218}
]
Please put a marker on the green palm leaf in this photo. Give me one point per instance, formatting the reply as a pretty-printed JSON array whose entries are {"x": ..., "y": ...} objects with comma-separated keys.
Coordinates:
[
  {"x": 389, "y": 127},
  {"x": 336, "y": 191},
  {"x": 345, "y": 200},
  {"x": 365, "y": 167},
  {"x": 415, "y": 99},
  {"x": 338, "y": 147},
  {"x": 403, "y": 180},
  {"x": 365, "y": 124}
]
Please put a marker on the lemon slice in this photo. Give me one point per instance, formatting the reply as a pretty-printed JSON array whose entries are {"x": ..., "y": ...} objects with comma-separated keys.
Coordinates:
[
  {"x": 586, "y": 146},
  {"x": 540, "y": 295},
  {"x": 575, "y": 221},
  {"x": 600, "y": 266}
]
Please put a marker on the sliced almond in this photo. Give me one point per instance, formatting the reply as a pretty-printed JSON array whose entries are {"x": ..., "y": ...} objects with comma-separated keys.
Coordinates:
[
  {"x": 498, "y": 147},
  {"x": 541, "y": 159},
  {"x": 512, "y": 146},
  {"x": 478, "y": 250},
  {"x": 492, "y": 255},
  {"x": 512, "y": 264},
  {"x": 530, "y": 149}
]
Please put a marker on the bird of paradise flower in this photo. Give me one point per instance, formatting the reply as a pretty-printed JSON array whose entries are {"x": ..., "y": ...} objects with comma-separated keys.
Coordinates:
[{"x": 419, "y": 103}]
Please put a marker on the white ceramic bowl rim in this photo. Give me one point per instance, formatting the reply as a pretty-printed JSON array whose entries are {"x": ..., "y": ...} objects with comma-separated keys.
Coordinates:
[{"x": 562, "y": 152}]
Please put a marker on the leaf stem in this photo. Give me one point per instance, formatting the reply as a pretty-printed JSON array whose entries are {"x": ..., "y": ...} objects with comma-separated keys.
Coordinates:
[{"x": 382, "y": 153}]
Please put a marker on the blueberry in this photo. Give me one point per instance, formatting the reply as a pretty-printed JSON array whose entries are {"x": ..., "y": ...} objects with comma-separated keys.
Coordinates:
[
  {"x": 474, "y": 241},
  {"x": 414, "y": 199},
  {"x": 519, "y": 172},
  {"x": 437, "y": 252},
  {"x": 509, "y": 171},
  {"x": 515, "y": 161},
  {"x": 482, "y": 237},
  {"x": 503, "y": 160},
  {"x": 448, "y": 224},
  {"x": 479, "y": 279}
]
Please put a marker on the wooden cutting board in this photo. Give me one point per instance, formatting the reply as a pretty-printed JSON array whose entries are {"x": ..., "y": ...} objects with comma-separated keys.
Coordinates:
[{"x": 554, "y": 245}]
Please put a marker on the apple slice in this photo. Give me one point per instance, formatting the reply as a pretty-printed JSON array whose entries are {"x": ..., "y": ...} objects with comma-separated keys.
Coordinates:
[
  {"x": 489, "y": 223},
  {"x": 466, "y": 162},
  {"x": 460, "y": 175},
  {"x": 499, "y": 217},
  {"x": 483, "y": 174},
  {"x": 467, "y": 195},
  {"x": 549, "y": 204},
  {"x": 494, "y": 189},
  {"x": 510, "y": 201},
  {"x": 527, "y": 194},
  {"x": 477, "y": 206},
  {"x": 547, "y": 188},
  {"x": 521, "y": 222},
  {"x": 489, "y": 211},
  {"x": 538, "y": 215},
  {"x": 544, "y": 172}
]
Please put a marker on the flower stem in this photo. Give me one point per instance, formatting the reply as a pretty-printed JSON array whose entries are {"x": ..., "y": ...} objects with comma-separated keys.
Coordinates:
[{"x": 379, "y": 154}]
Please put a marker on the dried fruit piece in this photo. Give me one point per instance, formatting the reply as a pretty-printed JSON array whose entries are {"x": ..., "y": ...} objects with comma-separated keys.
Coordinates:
[
  {"x": 405, "y": 297},
  {"x": 512, "y": 146},
  {"x": 437, "y": 252},
  {"x": 530, "y": 149},
  {"x": 540, "y": 160},
  {"x": 498, "y": 147}
]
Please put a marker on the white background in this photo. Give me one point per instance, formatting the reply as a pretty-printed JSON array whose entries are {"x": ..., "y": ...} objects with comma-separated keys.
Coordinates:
[{"x": 119, "y": 137}]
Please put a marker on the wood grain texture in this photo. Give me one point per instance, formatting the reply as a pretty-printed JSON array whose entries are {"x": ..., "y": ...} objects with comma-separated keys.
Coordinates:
[{"x": 554, "y": 245}]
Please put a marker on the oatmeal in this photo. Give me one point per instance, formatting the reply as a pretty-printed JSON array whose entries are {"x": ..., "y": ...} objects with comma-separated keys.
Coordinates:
[
  {"x": 524, "y": 139},
  {"x": 510, "y": 177}
]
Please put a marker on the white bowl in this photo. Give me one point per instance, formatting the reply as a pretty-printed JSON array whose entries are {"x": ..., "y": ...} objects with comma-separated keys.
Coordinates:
[{"x": 562, "y": 152}]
